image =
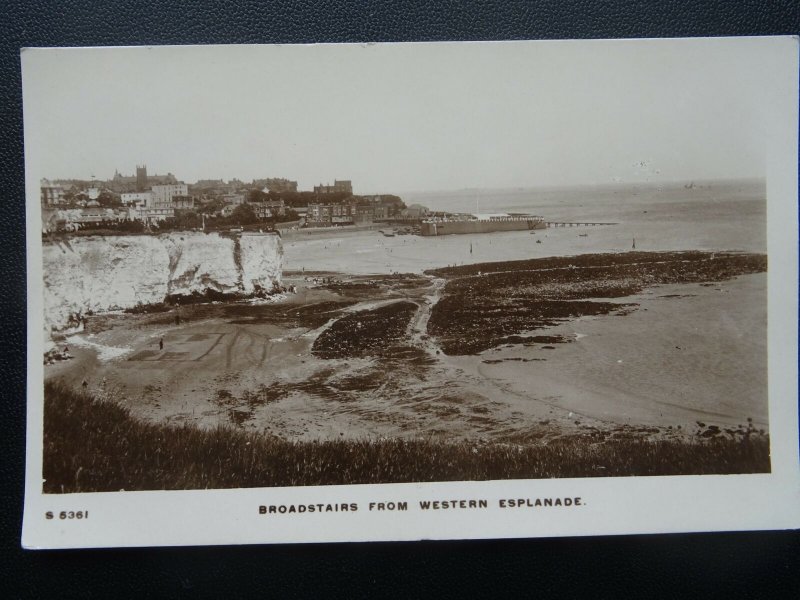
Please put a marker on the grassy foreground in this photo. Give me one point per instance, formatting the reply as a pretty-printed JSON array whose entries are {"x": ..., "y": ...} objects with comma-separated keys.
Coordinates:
[{"x": 94, "y": 446}]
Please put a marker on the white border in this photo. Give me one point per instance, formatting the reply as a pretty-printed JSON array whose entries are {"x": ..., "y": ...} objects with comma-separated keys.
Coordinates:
[{"x": 610, "y": 505}]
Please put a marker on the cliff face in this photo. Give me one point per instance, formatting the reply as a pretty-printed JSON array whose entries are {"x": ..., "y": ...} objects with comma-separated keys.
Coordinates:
[{"x": 117, "y": 272}]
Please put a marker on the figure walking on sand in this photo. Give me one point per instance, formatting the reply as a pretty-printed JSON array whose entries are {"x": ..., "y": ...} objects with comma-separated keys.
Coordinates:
[{"x": 161, "y": 344}]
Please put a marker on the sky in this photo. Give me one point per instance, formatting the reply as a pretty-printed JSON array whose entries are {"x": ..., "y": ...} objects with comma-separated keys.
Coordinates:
[{"x": 404, "y": 117}]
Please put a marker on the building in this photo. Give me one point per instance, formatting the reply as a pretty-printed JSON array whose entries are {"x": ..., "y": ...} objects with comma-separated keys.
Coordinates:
[
  {"x": 229, "y": 209},
  {"x": 322, "y": 215},
  {"x": 208, "y": 183},
  {"x": 71, "y": 219},
  {"x": 138, "y": 199},
  {"x": 155, "y": 213},
  {"x": 380, "y": 211},
  {"x": 276, "y": 184},
  {"x": 269, "y": 208},
  {"x": 318, "y": 214},
  {"x": 415, "y": 211},
  {"x": 261, "y": 210},
  {"x": 183, "y": 202},
  {"x": 210, "y": 188},
  {"x": 139, "y": 182},
  {"x": 344, "y": 186},
  {"x": 52, "y": 194},
  {"x": 234, "y": 199},
  {"x": 97, "y": 215},
  {"x": 364, "y": 213},
  {"x": 167, "y": 179},
  {"x": 122, "y": 183},
  {"x": 343, "y": 214},
  {"x": 163, "y": 194},
  {"x": 375, "y": 208},
  {"x": 161, "y": 206},
  {"x": 141, "y": 178}
]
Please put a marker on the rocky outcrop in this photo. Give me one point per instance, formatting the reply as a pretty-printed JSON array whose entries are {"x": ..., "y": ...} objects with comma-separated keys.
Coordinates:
[{"x": 116, "y": 272}]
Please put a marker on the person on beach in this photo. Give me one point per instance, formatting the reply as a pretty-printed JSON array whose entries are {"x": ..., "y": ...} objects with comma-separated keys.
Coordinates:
[{"x": 161, "y": 344}]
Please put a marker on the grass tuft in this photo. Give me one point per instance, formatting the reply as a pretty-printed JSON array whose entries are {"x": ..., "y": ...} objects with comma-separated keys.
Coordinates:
[{"x": 92, "y": 445}]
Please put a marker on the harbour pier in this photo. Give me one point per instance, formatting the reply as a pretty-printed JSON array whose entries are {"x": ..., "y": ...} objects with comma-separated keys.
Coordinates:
[{"x": 575, "y": 224}]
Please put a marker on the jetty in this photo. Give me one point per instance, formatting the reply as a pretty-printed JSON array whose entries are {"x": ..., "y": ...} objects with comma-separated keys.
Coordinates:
[
  {"x": 488, "y": 223},
  {"x": 575, "y": 224}
]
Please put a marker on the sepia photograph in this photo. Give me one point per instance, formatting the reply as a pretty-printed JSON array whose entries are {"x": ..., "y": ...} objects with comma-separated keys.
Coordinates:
[{"x": 336, "y": 265}]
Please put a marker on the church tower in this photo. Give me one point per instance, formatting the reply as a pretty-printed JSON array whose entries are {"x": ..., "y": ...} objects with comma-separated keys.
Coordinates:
[{"x": 141, "y": 178}]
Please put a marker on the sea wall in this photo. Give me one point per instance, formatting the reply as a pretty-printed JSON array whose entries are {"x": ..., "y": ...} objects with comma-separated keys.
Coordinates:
[
  {"x": 101, "y": 273},
  {"x": 478, "y": 226}
]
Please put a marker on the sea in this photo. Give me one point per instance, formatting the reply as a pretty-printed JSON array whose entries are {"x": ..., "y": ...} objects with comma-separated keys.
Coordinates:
[{"x": 708, "y": 215}]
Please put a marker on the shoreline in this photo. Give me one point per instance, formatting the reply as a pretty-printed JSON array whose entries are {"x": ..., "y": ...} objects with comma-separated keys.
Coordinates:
[{"x": 261, "y": 366}]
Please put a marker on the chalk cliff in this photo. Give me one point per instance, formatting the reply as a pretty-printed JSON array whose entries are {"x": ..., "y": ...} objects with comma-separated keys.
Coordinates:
[{"x": 116, "y": 272}]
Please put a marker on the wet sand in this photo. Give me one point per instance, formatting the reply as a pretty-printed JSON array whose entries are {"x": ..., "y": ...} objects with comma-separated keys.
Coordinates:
[{"x": 689, "y": 352}]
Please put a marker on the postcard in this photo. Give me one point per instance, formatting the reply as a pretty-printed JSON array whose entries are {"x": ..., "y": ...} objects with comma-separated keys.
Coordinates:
[{"x": 411, "y": 291}]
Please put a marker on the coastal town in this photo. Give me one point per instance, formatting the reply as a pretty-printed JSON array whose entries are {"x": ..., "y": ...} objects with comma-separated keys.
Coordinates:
[
  {"x": 151, "y": 203},
  {"x": 305, "y": 317},
  {"x": 275, "y": 269}
]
